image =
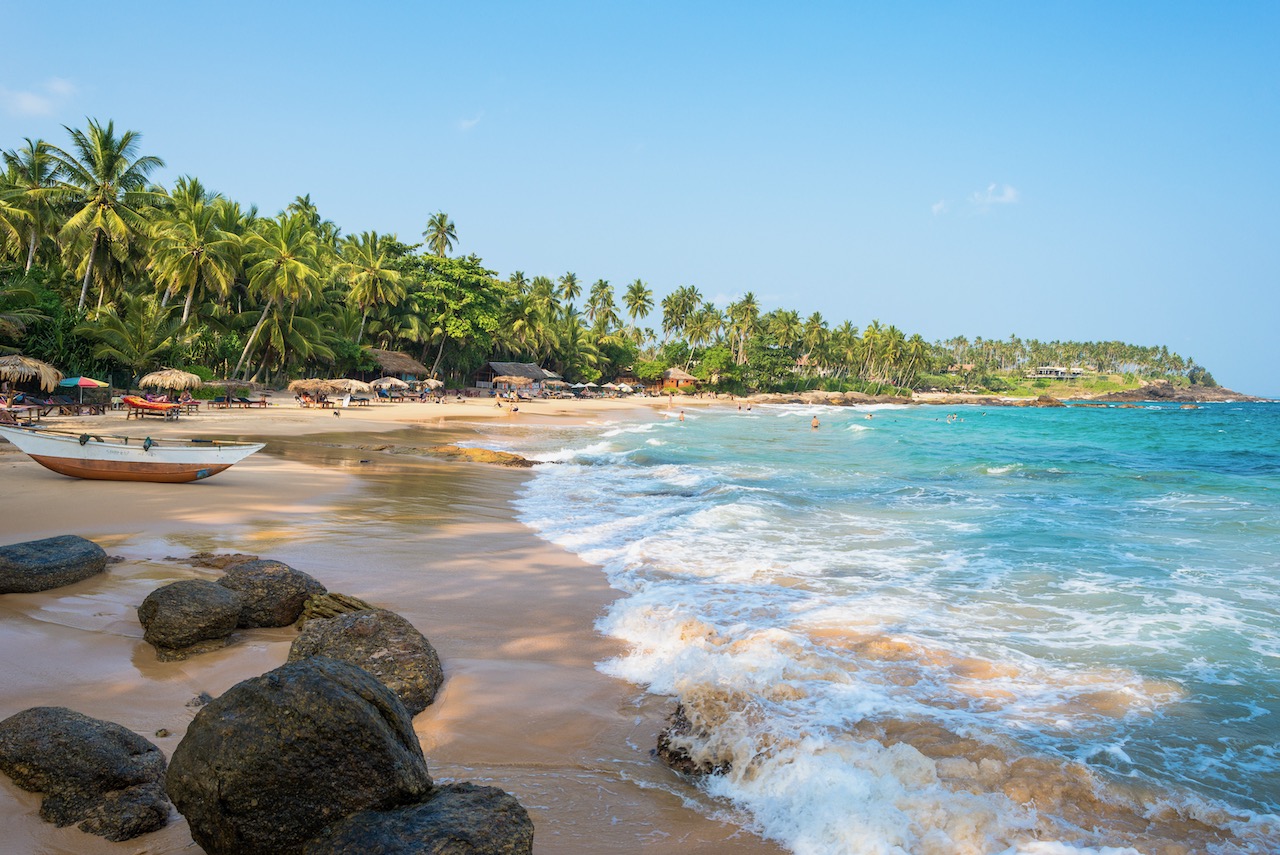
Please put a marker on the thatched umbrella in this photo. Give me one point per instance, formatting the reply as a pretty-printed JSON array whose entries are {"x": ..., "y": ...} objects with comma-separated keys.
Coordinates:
[
  {"x": 314, "y": 386},
  {"x": 389, "y": 383},
  {"x": 170, "y": 378},
  {"x": 433, "y": 383},
  {"x": 513, "y": 380},
  {"x": 554, "y": 384},
  {"x": 346, "y": 384},
  {"x": 16, "y": 367}
]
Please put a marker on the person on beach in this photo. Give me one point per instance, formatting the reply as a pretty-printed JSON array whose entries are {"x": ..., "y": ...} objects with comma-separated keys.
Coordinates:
[
  {"x": 814, "y": 423},
  {"x": 682, "y": 415}
]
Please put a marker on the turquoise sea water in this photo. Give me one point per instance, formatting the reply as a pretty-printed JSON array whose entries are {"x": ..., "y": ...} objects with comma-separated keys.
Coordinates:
[{"x": 1014, "y": 630}]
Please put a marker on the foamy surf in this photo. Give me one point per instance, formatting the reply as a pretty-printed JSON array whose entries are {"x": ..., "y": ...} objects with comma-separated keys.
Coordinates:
[{"x": 895, "y": 651}]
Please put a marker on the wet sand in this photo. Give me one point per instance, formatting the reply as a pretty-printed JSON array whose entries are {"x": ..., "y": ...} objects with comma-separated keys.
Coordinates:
[{"x": 349, "y": 501}]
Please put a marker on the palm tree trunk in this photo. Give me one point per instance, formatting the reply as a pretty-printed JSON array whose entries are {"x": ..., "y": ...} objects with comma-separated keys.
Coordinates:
[
  {"x": 88, "y": 271},
  {"x": 191, "y": 297},
  {"x": 31, "y": 251},
  {"x": 363, "y": 318},
  {"x": 439, "y": 354},
  {"x": 253, "y": 336}
]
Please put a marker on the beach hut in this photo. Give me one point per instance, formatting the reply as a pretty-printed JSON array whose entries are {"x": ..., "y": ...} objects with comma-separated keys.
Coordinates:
[
  {"x": 399, "y": 365},
  {"x": 676, "y": 378},
  {"x": 494, "y": 372},
  {"x": 20, "y": 369}
]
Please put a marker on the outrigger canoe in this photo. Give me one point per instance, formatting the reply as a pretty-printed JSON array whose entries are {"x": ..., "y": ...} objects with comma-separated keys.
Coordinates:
[{"x": 121, "y": 458}]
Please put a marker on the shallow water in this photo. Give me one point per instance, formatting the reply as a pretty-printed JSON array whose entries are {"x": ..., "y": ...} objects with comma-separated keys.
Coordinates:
[{"x": 909, "y": 634}]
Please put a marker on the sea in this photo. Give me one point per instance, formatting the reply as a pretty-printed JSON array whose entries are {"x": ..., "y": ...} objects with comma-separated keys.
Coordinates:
[{"x": 947, "y": 630}]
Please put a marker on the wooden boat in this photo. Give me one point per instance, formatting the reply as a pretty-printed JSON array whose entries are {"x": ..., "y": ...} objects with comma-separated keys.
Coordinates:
[{"x": 122, "y": 458}]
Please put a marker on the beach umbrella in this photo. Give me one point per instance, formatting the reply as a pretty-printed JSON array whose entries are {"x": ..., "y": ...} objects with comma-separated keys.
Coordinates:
[
  {"x": 609, "y": 386},
  {"x": 389, "y": 383},
  {"x": 82, "y": 383},
  {"x": 346, "y": 384},
  {"x": 513, "y": 380},
  {"x": 625, "y": 388},
  {"x": 16, "y": 367},
  {"x": 554, "y": 384},
  {"x": 591, "y": 386},
  {"x": 578, "y": 386},
  {"x": 170, "y": 378},
  {"x": 314, "y": 386},
  {"x": 433, "y": 383}
]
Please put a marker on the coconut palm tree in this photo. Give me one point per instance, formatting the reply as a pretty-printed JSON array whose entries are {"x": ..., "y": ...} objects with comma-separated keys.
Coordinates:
[
  {"x": 744, "y": 319},
  {"x": 138, "y": 332},
  {"x": 638, "y": 299},
  {"x": 440, "y": 234},
  {"x": 189, "y": 252},
  {"x": 282, "y": 266},
  {"x": 13, "y": 220},
  {"x": 106, "y": 185},
  {"x": 570, "y": 287},
  {"x": 32, "y": 174},
  {"x": 372, "y": 281}
]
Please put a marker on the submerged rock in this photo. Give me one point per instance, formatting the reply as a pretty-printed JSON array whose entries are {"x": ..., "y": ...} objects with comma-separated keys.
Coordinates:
[
  {"x": 38, "y": 565},
  {"x": 460, "y": 819},
  {"x": 274, "y": 592},
  {"x": 270, "y": 764},
  {"x": 483, "y": 455},
  {"x": 384, "y": 644},
  {"x": 322, "y": 606},
  {"x": 94, "y": 773},
  {"x": 190, "y": 616},
  {"x": 675, "y": 741}
]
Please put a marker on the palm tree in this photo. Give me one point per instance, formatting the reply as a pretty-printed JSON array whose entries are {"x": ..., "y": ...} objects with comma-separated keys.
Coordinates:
[
  {"x": 189, "y": 251},
  {"x": 106, "y": 184},
  {"x": 12, "y": 218},
  {"x": 372, "y": 282},
  {"x": 32, "y": 172},
  {"x": 744, "y": 317},
  {"x": 137, "y": 333},
  {"x": 440, "y": 234},
  {"x": 281, "y": 261},
  {"x": 638, "y": 299},
  {"x": 569, "y": 287}
]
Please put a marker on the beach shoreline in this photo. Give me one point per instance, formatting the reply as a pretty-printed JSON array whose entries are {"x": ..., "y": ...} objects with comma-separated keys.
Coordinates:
[{"x": 358, "y": 503}]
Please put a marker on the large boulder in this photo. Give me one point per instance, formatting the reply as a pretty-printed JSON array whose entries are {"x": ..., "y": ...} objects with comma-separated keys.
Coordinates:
[
  {"x": 461, "y": 819},
  {"x": 274, "y": 592},
  {"x": 384, "y": 644},
  {"x": 271, "y": 763},
  {"x": 92, "y": 772},
  {"x": 189, "y": 617},
  {"x": 38, "y": 565}
]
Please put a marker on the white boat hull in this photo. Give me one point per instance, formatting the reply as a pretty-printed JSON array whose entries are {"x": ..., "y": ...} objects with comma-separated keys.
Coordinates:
[{"x": 115, "y": 458}]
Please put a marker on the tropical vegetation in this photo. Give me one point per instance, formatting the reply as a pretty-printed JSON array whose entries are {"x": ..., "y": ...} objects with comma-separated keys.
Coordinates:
[{"x": 103, "y": 271}]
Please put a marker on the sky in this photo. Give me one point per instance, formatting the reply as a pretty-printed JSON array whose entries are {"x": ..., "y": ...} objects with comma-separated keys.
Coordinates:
[{"x": 1054, "y": 170}]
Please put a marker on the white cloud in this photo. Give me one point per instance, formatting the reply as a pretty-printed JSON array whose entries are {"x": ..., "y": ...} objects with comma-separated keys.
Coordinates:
[
  {"x": 940, "y": 207},
  {"x": 995, "y": 194},
  {"x": 44, "y": 100},
  {"x": 468, "y": 124}
]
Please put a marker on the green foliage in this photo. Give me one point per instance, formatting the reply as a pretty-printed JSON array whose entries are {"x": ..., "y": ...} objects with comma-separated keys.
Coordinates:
[{"x": 650, "y": 371}]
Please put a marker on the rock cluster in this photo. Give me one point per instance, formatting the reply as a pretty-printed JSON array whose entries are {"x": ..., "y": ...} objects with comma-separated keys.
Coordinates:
[
  {"x": 92, "y": 773},
  {"x": 38, "y": 565},
  {"x": 483, "y": 455}
]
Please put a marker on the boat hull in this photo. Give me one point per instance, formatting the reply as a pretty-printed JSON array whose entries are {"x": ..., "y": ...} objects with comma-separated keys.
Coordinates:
[{"x": 128, "y": 459}]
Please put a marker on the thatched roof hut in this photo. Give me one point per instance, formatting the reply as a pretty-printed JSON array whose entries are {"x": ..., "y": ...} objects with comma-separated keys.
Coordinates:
[
  {"x": 500, "y": 372},
  {"x": 19, "y": 368},
  {"x": 399, "y": 364},
  {"x": 170, "y": 378},
  {"x": 677, "y": 378}
]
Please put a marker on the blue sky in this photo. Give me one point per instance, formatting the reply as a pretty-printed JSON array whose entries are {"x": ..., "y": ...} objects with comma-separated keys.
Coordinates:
[{"x": 1055, "y": 170}]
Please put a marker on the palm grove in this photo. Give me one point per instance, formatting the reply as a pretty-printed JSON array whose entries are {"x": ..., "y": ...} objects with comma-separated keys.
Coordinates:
[{"x": 102, "y": 270}]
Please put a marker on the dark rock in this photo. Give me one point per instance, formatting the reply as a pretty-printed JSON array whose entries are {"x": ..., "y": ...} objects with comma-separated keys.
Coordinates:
[
  {"x": 188, "y": 617},
  {"x": 274, "y": 592},
  {"x": 200, "y": 700},
  {"x": 674, "y": 742},
  {"x": 217, "y": 560},
  {"x": 384, "y": 644},
  {"x": 322, "y": 606},
  {"x": 38, "y": 565},
  {"x": 95, "y": 773},
  {"x": 277, "y": 758},
  {"x": 1165, "y": 392},
  {"x": 1042, "y": 401},
  {"x": 461, "y": 819}
]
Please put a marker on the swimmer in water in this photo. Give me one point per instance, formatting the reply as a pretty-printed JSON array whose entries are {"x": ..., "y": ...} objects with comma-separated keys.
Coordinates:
[{"x": 814, "y": 423}]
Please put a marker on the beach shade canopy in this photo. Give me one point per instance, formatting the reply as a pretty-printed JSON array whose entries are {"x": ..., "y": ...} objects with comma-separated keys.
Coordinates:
[
  {"x": 170, "y": 378},
  {"x": 555, "y": 384},
  {"x": 590, "y": 386},
  {"x": 433, "y": 383},
  {"x": 609, "y": 386},
  {"x": 18, "y": 368},
  {"x": 389, "y": 383},
  {"x": 625, "y": 388},
  {"x": 346, "y": 384},
  {"x": 314, "y": 386},
  {"x": 578, "y": 386},
  {"x": 82, "y": 383},
  {"x": 513, "y": 380}
]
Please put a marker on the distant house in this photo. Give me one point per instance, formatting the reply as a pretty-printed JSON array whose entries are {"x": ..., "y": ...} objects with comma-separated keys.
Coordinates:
[
  {"x": 1053, "y": 372},
  {"x": 675, "y": 378},
  {"x": 628, "y": 376},
  {"x": 483, "y": 378},
  {"x": 395, "y": 364}
]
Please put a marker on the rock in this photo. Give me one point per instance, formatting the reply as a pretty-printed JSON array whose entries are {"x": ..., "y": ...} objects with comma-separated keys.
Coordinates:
[
  {"x": 321, "y": 606},
  {"x": 95, "y": 773},
  {"x": 274, "y": 592},
  {"x": 384, "y": 644},
  {"x": 1164, "y": 391},
  {"x": 1043, "y": 401},
  {"x": 483, "y": 455},
  {"x": 190, "y": 616},
  {"x": 673, "y": 747},
  {"x": 461, "y": 819},
  {"x": 217, "y": 560},
  {"x": 277, "y": 758},
  {"x": 38, "y": 565}
]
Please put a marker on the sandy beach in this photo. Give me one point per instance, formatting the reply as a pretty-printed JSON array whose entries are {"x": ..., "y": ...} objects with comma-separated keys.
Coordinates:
[{"x": 357, "y": 503}]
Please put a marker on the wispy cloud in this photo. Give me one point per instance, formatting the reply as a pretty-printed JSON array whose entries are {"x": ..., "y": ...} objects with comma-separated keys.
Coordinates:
[
  {"x": 42, "y": 100},
  {"x": 940, "y": 207},
  {"x": 995, "y": 194},
  {"x": 468, "y": 124}
]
